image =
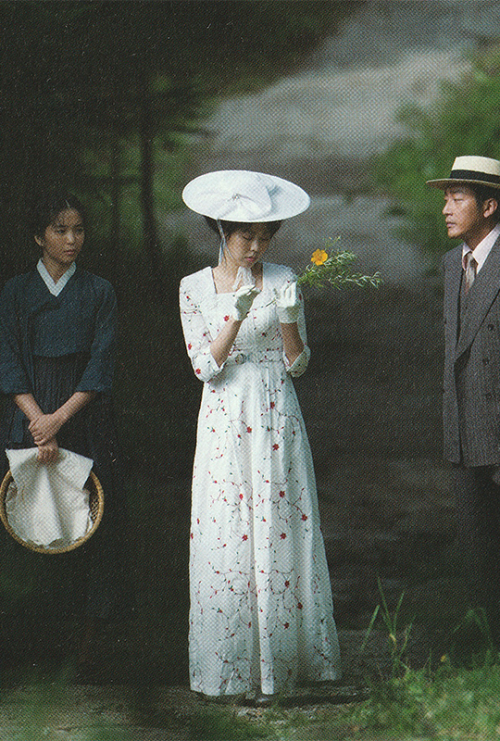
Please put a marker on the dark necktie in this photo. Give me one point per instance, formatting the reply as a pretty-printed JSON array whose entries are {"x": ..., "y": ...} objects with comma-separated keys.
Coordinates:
[{"x": 469, "y": 265}]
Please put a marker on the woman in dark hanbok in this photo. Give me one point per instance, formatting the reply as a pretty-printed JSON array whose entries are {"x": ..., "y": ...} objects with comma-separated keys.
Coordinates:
[{"x": 57, "y": 339}]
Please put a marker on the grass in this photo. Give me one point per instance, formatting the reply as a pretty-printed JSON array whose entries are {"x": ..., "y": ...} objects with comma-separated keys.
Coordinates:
[
  {"x": 449, "y": 704},
  {"x": 460, "y": 701},
  {"x": 457, "y": 699},
  {"x": 452, "y": 703},
  {"x": 44, "y": 709},
  {"x": 457, "y": 704}
]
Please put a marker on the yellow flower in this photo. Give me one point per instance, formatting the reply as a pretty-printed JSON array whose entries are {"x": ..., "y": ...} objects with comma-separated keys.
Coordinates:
[{"x": 319, "y": 257}]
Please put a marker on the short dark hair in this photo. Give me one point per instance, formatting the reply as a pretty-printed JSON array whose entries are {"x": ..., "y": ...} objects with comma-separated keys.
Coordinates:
[
  {"x": 229, "y": 227},
  {"x": 49, "y": 207},
  {"x": 483, "y": 193}
]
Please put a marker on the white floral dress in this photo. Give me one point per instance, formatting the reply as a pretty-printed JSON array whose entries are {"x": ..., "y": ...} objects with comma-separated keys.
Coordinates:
[{"x": 261, "y": 605}]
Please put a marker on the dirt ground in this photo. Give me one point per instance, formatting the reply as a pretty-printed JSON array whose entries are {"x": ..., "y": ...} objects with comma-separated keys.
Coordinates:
[{"x": 57, "y": 708}]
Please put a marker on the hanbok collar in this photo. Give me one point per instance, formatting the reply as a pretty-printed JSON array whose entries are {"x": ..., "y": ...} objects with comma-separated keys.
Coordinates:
[{"x": 55, "y": 288}]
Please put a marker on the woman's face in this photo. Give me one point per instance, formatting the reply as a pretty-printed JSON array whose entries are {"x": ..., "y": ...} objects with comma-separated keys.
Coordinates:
[
  {"x": 248, "y": 244},
  {"x": 62, "y": 240}
]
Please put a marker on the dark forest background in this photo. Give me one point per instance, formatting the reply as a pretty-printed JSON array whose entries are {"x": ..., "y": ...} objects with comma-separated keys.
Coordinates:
[{"x": 103, "y": 99}]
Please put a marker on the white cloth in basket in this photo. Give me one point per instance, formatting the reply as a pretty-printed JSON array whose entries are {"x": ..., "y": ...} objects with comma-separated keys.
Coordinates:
[{"x": 46, "y": 504}]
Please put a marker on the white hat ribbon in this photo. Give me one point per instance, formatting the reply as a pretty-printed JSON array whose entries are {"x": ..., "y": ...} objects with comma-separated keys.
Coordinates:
[
  {"x": 244, "y": 196},
  {"x": 228, "y": 201}
]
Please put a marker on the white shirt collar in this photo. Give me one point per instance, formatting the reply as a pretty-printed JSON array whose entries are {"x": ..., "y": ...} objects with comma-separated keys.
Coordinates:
[
  {"x": 55, "y": 288},
  {"x": 483, "y": 249}
]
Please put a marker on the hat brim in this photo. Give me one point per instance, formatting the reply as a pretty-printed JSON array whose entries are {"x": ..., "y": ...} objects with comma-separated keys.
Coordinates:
[
  {"x": 450, "y": 182},
  {"x": 287, "y": 199}
]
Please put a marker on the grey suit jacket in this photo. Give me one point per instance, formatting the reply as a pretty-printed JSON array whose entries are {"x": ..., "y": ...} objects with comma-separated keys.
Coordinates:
[{"x": 471, "y": 404}]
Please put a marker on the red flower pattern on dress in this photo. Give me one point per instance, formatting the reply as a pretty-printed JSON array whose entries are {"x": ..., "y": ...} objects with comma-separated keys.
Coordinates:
[{"x": 252, "y": 512}]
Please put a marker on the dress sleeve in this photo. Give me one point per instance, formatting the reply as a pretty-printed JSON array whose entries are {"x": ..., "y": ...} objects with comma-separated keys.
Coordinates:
[
  {"x": 196, "y": 333},
  {"x": 98, "y": 375},
  {"x": 299, "y": 365},
  {"x": 13, "y": 376}
]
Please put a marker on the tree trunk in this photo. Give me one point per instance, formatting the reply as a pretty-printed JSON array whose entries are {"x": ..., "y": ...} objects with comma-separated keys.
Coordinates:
[
  {"x": 115, "y": 205},
  {"x": 151, "y": 243}
]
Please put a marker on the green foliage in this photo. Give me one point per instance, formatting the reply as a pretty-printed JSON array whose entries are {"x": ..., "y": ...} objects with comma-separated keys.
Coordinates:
[
  {"x": 223, "y": 724},
  {"x": 334, "y": 268},
  {"x": 463, "y": 121},
  {"x": 450, "y": 703},
  {"x": 474, "y": 630},
  {"x": 397, "y": 642}
]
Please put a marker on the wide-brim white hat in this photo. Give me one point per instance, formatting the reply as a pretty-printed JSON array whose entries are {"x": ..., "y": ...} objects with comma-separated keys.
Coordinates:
[
  {"x": 244, "y": 196},
  {"x": 471, "y": 170}
]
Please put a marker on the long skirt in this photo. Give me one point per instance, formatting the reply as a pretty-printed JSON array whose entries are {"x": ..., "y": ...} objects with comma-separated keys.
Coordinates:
[{"x": 96, "y": 576}]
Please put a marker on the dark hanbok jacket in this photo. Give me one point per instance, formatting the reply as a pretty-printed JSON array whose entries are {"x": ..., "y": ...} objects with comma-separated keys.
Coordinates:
[{"x": 82, "y": 319}]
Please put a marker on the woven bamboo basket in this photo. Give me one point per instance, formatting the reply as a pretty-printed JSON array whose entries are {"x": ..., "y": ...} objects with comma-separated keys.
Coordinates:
[{"x": 96, "y": 504}]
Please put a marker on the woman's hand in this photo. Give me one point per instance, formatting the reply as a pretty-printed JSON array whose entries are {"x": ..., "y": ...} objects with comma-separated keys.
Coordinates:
[
  {"x": 287, "y": 303},
  {"x": 45, "y": 428},
  {"x": 243, "y": 300},
  {"x": 49, "y": 452}
]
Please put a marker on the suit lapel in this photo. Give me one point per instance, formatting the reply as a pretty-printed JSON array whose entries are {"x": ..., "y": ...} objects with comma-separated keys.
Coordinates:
[
  {"x": 453, "y": 278},
  {"x": 482, "y": 294}
]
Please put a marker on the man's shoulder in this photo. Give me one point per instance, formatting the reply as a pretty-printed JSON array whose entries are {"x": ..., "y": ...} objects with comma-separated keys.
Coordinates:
[
  {"x": 453, "y": 253},
  {"x": 451, "y": 257}
]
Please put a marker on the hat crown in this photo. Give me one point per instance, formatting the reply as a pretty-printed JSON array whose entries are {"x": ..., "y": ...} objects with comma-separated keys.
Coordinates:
[
  {"x": 471, "y": 170},
  {"x": 244, "y": 196},
  {"x": 480, "y": 165}
]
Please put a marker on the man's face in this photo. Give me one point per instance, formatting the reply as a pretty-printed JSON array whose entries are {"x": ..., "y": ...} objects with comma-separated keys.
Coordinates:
[{"x": 463, "y": 216}]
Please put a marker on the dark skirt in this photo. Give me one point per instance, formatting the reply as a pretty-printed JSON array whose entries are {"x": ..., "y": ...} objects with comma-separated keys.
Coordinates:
[{"x": 97, "y": 574}]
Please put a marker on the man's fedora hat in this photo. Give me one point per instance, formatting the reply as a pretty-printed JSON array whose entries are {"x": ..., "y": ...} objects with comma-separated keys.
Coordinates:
[
  {"x": 244, "y": 196},
  {"x": 472, "y": 171}
]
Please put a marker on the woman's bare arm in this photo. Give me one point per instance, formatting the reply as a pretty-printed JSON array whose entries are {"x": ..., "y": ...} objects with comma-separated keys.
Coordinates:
[{"x": 44, "y": 427}]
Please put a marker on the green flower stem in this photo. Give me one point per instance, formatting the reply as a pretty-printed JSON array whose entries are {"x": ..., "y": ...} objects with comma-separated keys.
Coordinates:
[{"x": 336, "y": 271}]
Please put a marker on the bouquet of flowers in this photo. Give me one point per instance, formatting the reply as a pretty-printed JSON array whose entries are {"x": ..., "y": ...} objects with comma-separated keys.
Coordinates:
[{"x": 334, "y": 267}]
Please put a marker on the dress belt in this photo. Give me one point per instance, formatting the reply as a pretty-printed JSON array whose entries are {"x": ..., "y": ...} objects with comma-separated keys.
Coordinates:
[{"x": 239, "y": 358}]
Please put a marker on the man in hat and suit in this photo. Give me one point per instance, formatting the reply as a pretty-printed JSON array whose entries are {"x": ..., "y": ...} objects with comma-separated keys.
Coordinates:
[{"x": 471, "y": 407}]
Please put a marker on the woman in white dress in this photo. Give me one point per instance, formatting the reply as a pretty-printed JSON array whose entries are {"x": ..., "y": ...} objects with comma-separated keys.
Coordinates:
[{"x": 261, "y": 614}]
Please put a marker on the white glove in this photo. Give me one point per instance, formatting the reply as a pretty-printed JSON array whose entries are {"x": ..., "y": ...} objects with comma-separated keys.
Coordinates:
[
  {"x": 243, "y": 300},
  {"x": 287, "y": 303}
]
